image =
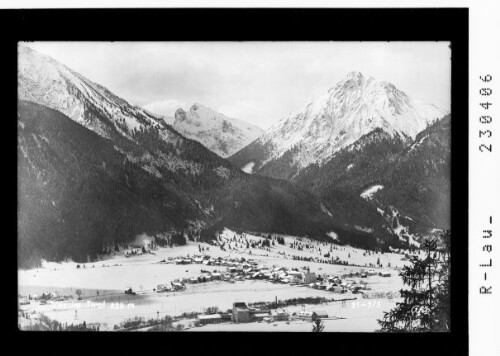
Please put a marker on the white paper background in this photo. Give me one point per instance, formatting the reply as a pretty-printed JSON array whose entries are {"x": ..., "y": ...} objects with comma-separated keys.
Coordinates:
[{"x": 484, "y": 179}]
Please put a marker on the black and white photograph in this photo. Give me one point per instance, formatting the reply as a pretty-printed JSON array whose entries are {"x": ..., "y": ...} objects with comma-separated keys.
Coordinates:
[
  {"x": 253, "y": 177},
  {"x": 262, "y": 186}
]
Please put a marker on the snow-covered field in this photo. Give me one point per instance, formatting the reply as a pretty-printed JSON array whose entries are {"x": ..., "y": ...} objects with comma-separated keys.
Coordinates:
[
  {"x": 105, "y": 281},
  {"x": 360, "y": 317}
]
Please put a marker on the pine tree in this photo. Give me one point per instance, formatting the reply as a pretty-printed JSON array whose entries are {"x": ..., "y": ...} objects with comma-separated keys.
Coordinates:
[
  {"x": 318, "y": 325},
  {"x": 426, "y": 305}
]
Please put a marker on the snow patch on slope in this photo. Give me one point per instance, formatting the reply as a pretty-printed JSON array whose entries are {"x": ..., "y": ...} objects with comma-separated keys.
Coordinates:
[
  {"x": 402, "y": 231},
  {"x": 325, "y": 210},
  {"x": 368, "y": 193},
  {"x": 364, "y": 229},
  {"x": 248, "y": 168},
  {"x": 333, "y": 235},
  {"x": 416, "y": 144}
]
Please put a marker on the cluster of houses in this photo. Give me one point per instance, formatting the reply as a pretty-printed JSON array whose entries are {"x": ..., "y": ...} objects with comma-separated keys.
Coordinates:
[
  {"x": 44, "y": 297},
  {"x": 206, "y": 275},
  {"x": 335, "y": 284},
  {"x": 239, "y": 269},
  {"x": 241, "y": 313},
  {"x": 366, "y": 274}
]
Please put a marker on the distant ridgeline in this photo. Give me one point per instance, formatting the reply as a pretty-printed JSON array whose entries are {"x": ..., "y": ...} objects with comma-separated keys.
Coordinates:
[
  {"x": 379, "y": 160},
  {"x": 79, "y": 195},
  {"x": 95, "y": 171},
  {"x": 415, "y": 175}
]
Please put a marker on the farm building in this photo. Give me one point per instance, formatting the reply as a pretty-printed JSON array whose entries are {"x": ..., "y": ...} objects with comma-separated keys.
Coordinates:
[
  {"x": 241, "y": 313},
  {"x": 162, "y": 288},
  {"x": 226, "y": 316},
  {"x": 305, "y": 277},
  {"x": 177, "y": 286},
  {"x": 282, "y": 275},
  {"x": 337, "y": 289},
  {"x": 335, "y": 280},
  {"x": 259, "y": 316},
  {"x": 295, "y": 274},
  {"x": 281, "y": 315},
  {"x": 210, "y": 319},
  {"x": 306, "y": 315}
]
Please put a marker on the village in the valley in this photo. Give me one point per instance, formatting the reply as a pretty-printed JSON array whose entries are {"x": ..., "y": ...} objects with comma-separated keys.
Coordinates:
[
  {"x": 237, "y": 282},
  {"x": 234, "y": 186}
]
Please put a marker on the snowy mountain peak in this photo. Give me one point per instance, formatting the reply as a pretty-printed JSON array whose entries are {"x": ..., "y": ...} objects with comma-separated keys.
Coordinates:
[
  {"x": 45, "y": 81},
  {"x": 353, "y": 107},
  {"x": 356, "y": 77},
  {"x": 196, "y": 106},
  {"x": 219, "y": 133},
  {"x": 204, "y": 112},
  {"x": 179, "y": 115}
]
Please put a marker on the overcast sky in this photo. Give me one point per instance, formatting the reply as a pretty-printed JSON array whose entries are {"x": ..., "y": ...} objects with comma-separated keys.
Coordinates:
[{"x": 259, "y": 82}]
